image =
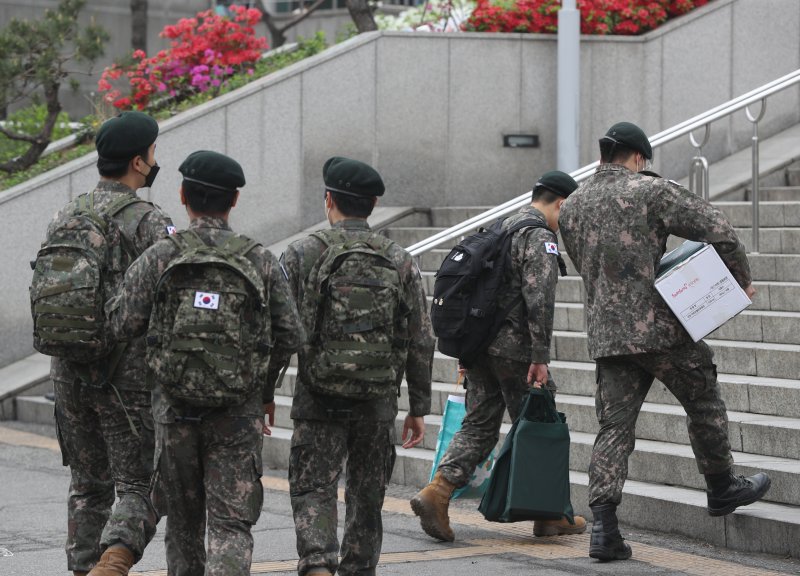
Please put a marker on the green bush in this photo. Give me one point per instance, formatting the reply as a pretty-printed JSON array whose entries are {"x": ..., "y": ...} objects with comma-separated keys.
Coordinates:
[{"x": 30, "y": 120}]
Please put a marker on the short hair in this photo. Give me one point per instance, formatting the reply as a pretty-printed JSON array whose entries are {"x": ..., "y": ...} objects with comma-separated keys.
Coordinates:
[
  {"x": 353, "y": 206},
  {"x": 117, "y": 168},
  {"x": 206, "y": 200},
  {"x": 614, "y": 153},
  {"x": 544, "y": 195}
]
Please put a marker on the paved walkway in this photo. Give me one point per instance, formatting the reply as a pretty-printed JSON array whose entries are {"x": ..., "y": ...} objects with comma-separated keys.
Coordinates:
[{"x": 33, "y": 488}]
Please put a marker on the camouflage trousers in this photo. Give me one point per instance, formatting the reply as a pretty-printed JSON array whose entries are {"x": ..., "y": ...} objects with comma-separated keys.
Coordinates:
[
  {"x": 319, "y": 449},
  {"x": 622, "y": 384},
  {"x": 105, "y": 455},
  {"x": 209, "y": 470},
  {"x": 493, "y": 384}
]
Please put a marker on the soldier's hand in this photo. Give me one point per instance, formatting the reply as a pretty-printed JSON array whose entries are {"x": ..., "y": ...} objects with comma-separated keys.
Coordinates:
[
  {"x": 413, "y": 431},
  {"x": 750, "y": 291},
  {"x": 269, "y": 412},
  {"x": 537, "y": 375}
]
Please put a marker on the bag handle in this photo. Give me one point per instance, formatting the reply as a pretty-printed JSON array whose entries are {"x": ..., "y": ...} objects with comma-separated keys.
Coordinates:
[{"x": 540, "y": 406}]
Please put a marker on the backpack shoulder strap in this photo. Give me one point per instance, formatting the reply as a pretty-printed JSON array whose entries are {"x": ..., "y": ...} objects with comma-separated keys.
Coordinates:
[
  {"x": 119, "y": 204},
  {"x": 84, "y": 204},
  {"x": 238, "y": 245},
  {"x": 536, "y": 223}
]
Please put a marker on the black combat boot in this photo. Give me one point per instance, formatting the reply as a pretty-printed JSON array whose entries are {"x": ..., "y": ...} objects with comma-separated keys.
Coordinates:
[
  {"x": 607, "y": 543},
  {"x": 727, "y": 492}
]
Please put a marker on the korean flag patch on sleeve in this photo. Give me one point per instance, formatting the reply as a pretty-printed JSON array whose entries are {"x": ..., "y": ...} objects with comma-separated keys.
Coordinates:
[
  {"x": 551, "y": 248},
  {"x": 207, "y": 300},
  {"x": 171, "y": 230}
]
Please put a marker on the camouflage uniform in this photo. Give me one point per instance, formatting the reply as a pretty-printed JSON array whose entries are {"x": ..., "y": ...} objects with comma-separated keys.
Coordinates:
[
  {"x": 615, "y": 229},
  {"x": 95, "y": 422},
  {"x": 326, "y": 430},
  {"x": 498, "y": 379},
  {"x": 208, "y": 460}
]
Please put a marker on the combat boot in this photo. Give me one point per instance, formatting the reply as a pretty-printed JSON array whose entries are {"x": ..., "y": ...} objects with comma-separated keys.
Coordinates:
[
  {"x": 431, "y": 504},
  {"x": 115, "y": 561},
  {"x": 606, "y": 543},
  {"x": 727, "y": 492},
  {"x": 559, "y": 527}
]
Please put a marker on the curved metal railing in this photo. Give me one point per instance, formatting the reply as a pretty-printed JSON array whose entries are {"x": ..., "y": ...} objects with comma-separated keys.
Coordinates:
[{"x": 698, "y": 174}]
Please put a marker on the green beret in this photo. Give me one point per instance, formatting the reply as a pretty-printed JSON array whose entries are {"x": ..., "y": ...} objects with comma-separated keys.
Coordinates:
[
  {"x": 212, "y": 169},
  {"x": 124, "y": 136},
  {"x": 630, "y": 136},
  {"x": 351, "y": 177},
  {"x": 557, "y": 182}
]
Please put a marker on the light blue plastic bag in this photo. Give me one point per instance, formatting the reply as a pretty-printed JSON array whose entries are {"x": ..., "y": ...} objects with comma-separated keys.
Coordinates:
[{"x": 454, "y": 412}]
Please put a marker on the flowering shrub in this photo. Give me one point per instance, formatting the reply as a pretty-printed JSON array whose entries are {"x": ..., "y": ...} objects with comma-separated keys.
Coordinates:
[
  {"x": 434, "y": 16},
  {"x": 205, "y": 52},
  {"x": 624, "y": 17}
]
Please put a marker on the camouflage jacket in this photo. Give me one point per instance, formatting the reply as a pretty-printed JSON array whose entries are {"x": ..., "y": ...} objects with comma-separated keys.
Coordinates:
[
  {"x": 298, "y": 260},
  {"x": 533, "y": 274},
  {"x": 141, "y": 224},
  {"x": 615, "y": 229},
  {"x": 130, "y": 310}
]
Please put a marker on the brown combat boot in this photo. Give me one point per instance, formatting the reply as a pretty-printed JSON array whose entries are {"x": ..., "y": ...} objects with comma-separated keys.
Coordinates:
[
  {"x": 115, "y": 561},
  {"x": 431, "y": 504},
  {"x": 559, "y": 527},
  {"x": 76, "y": 573}
]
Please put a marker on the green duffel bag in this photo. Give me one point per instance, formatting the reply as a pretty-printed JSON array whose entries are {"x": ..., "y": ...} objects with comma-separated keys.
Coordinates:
[{"x": 530, "y": 479}]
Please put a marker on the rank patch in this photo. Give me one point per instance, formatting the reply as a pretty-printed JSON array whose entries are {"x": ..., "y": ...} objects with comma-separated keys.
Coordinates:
[{"x": 207, "y": 300}]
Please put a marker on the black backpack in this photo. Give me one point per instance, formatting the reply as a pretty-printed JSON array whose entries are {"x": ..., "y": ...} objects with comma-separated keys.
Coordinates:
[{"x": 464, "y": 311}]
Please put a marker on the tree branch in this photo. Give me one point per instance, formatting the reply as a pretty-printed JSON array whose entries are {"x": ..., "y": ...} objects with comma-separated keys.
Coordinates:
[
  {"x": 17, "y": 136},
  {"x": 308, "y": 11}
]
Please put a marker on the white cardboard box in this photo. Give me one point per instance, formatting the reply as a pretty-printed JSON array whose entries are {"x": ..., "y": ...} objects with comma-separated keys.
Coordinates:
[{"x": 702, "y": 292}]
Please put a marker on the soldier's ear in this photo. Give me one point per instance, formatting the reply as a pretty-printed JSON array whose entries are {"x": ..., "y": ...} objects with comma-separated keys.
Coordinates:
[
  {"x": 235, "y": 198},
  {"x": 183, "y": 196}
]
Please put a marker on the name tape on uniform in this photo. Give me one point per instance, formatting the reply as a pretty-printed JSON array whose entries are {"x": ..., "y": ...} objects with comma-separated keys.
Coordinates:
[{"x": 207, "y": 300}]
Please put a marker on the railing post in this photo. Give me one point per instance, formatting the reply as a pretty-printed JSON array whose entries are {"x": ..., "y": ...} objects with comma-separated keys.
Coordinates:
[
  {"x": 755, "y": 184},
  {"x": 698, "y": 170}
]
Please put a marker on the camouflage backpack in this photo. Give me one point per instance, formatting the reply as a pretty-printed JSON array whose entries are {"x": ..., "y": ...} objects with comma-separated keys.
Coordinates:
[
  {"x": 72, "y": 278},
  {"x": 208, "y": 340},
  {"x": 357, "y": 319}
]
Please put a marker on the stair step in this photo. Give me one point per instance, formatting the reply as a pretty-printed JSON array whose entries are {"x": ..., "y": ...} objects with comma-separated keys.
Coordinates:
[
  {"x": 767, "y": 396},
  {"x": 761, "y": 527},
  {"x": 772, "y": 240},
  {"x": 775, "y": 193},
  {"x": 770, "y": 213},
  {"x": 748, "y": 358},
  {"x": 772, "y": 436}
]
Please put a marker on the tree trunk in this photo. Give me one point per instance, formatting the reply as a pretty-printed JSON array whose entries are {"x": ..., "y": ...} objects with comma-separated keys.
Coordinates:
[
  {"x": 139, "y": 25},
  {"x": 361, "y": 15},
  {"x": 39, "y": 143},
  {"x": 276, "y": 35}
]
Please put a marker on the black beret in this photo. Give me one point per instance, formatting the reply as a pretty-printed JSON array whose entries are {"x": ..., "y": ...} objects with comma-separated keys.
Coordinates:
[
  {"x": 630, "y": 136},
  {"x": 351, "y": 177},
  {"x": 124, "y": 136},
  {"x": 557, "y": 182},
  {"x": 212, "y": 169}
]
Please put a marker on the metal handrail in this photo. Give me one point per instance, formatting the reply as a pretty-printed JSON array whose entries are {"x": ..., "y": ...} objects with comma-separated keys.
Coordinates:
[{"x": 663, "y": 137}]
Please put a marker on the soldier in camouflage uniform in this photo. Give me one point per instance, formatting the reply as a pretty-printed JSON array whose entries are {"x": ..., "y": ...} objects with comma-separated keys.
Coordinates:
[
  {"x": 105, "y": 429},
  {"x": 326, "y": 429},
  {"x": 615, "y": 230},
  {"x": 208, "y": 460},
  {"x": 515, "y": 360}
]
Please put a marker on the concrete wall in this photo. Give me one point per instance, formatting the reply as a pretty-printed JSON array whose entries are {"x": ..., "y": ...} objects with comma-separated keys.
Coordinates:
[{"x": 429, "y": 111}]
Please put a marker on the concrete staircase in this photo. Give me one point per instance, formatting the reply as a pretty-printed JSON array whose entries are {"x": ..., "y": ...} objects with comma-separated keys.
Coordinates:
[{"x": 757, "y": 356}]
